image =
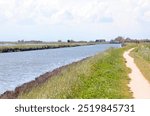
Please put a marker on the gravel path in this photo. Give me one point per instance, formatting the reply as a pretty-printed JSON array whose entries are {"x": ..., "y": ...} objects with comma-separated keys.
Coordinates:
[{"x": 138, "y": 84}]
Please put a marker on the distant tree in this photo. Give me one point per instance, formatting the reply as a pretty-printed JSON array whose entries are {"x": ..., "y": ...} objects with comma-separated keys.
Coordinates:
[
  {"x": 20, "y": 41},
  {"x": 59, "y": 41},
  {"x": 120, "y": 39},
  {"x": 70, "y": 41},
  {"x": 128, "y": 39}
]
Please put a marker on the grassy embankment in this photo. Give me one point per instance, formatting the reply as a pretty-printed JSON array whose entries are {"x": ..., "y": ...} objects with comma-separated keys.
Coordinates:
[
  {"x": 141, "y": 55},
  {"x": 101, "y": 76},
  {"x": 28, "y": 47}
]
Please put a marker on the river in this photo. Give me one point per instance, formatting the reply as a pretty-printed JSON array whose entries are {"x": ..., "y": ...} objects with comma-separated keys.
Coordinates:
[{"x": 20, "y": 67}]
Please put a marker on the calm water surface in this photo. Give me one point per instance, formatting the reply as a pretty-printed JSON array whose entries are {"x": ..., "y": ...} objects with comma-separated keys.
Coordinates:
[
  {"x": 20, "y": 67},
  {"x": 7, "y": 44}
]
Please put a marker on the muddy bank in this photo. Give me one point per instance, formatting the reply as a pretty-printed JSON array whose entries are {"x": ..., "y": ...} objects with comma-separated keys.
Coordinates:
[{"x": 26, "y": 87}]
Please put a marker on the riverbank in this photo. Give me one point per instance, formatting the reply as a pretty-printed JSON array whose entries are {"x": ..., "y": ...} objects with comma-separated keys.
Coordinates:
[
  {"x": 31, "y": 47},
  {"x": 141, "y": 55},
  {"x": 26, "y": 87},
  {"x": 101, "y": 76}
]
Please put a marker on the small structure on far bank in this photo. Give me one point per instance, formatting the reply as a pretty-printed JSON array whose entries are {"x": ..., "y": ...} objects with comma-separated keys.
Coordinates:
[{"x": 100, "y": 40}]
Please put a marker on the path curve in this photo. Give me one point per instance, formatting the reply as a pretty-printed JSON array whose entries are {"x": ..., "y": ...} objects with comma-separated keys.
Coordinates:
[{"x": 138, "y": 84}]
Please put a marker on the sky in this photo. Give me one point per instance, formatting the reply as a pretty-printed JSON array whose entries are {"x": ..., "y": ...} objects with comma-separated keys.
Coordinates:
[{"x": 53, "y": 20}]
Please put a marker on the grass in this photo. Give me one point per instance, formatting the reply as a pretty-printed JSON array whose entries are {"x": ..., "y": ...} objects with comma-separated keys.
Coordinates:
[
  {"x": 141, "y": 55},
  {"x": 28, "y": 47},
  {"x": 101, "y": 76}
]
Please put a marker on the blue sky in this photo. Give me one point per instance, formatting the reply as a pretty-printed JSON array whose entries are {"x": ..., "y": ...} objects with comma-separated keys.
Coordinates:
[{"x": 52, "y": 20}]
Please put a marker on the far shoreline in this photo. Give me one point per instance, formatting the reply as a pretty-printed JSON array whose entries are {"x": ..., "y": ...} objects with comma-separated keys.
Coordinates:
[{"x": 30, "y": 47}]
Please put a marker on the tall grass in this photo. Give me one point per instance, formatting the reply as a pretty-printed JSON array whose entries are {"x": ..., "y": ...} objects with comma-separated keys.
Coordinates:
[
  {"x": 143, "y": 50},
  {"x": 102, "y": 76},
  {"x": 141, "y": 56}
]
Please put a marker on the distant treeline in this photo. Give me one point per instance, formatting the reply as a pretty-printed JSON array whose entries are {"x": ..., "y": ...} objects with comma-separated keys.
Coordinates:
[
  {"x": 32, "y": 41},
  {"x": 117, "y": 40},
  {"x": 121, "y": 39}
]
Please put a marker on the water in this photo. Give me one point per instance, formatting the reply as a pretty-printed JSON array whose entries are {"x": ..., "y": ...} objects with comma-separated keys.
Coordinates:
[
  {"x": 20, "y": 67},
  {"x": 7, "y": 44}
]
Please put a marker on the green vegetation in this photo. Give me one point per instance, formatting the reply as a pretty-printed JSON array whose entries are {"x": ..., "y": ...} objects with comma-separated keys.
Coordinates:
[
  {"x": 101, "y": 76},
  {"x": 28, "y": 47},
  {"x": 141, "y": 55}
]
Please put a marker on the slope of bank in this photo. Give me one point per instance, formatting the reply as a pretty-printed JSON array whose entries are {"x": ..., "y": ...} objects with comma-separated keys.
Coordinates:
[
  {"x": 141, "y": 55},
  {"x": 29, "y": 47},
  {"x": 102, "y": 76}
]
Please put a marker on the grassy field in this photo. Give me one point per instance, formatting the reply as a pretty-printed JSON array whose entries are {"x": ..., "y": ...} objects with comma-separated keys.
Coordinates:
[
  {"x": 101, "y": 76},
  {"x": 28, "y": 47},
  {"x": 141, "y": 55}
]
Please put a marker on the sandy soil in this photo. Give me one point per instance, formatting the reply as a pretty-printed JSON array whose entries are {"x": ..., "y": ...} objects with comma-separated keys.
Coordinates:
[{"x": 138, "y": 84}]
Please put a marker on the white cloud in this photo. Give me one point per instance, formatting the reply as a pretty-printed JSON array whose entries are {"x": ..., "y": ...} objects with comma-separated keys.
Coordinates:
[
  {"x": 54, "y": 11},
  {"x": 118, "y": 15},
  {"x": 57, "y": 11},
  {"x": 147, "y": 16}
]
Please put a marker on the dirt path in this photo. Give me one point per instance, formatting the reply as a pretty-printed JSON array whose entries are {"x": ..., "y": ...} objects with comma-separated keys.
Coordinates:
[{"x": 138, "y": 84}]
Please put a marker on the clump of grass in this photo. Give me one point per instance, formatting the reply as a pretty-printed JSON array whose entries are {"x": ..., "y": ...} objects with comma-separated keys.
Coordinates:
[
  {"x": 143, "y": 50},
  {"x": 102, "y": 76}
]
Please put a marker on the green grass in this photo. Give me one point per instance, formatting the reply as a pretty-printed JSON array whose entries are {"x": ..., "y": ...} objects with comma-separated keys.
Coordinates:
[
  {"x": 141, "y": 55},
  {"x": 102, "y": 76}
]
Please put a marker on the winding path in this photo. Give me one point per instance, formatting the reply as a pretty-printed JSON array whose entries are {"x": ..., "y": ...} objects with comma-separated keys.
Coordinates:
[{"x": 138, "y": 84}]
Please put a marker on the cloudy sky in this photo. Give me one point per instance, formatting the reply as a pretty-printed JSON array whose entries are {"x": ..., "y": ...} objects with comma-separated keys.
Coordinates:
[{"x": 52, "y": 20}]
